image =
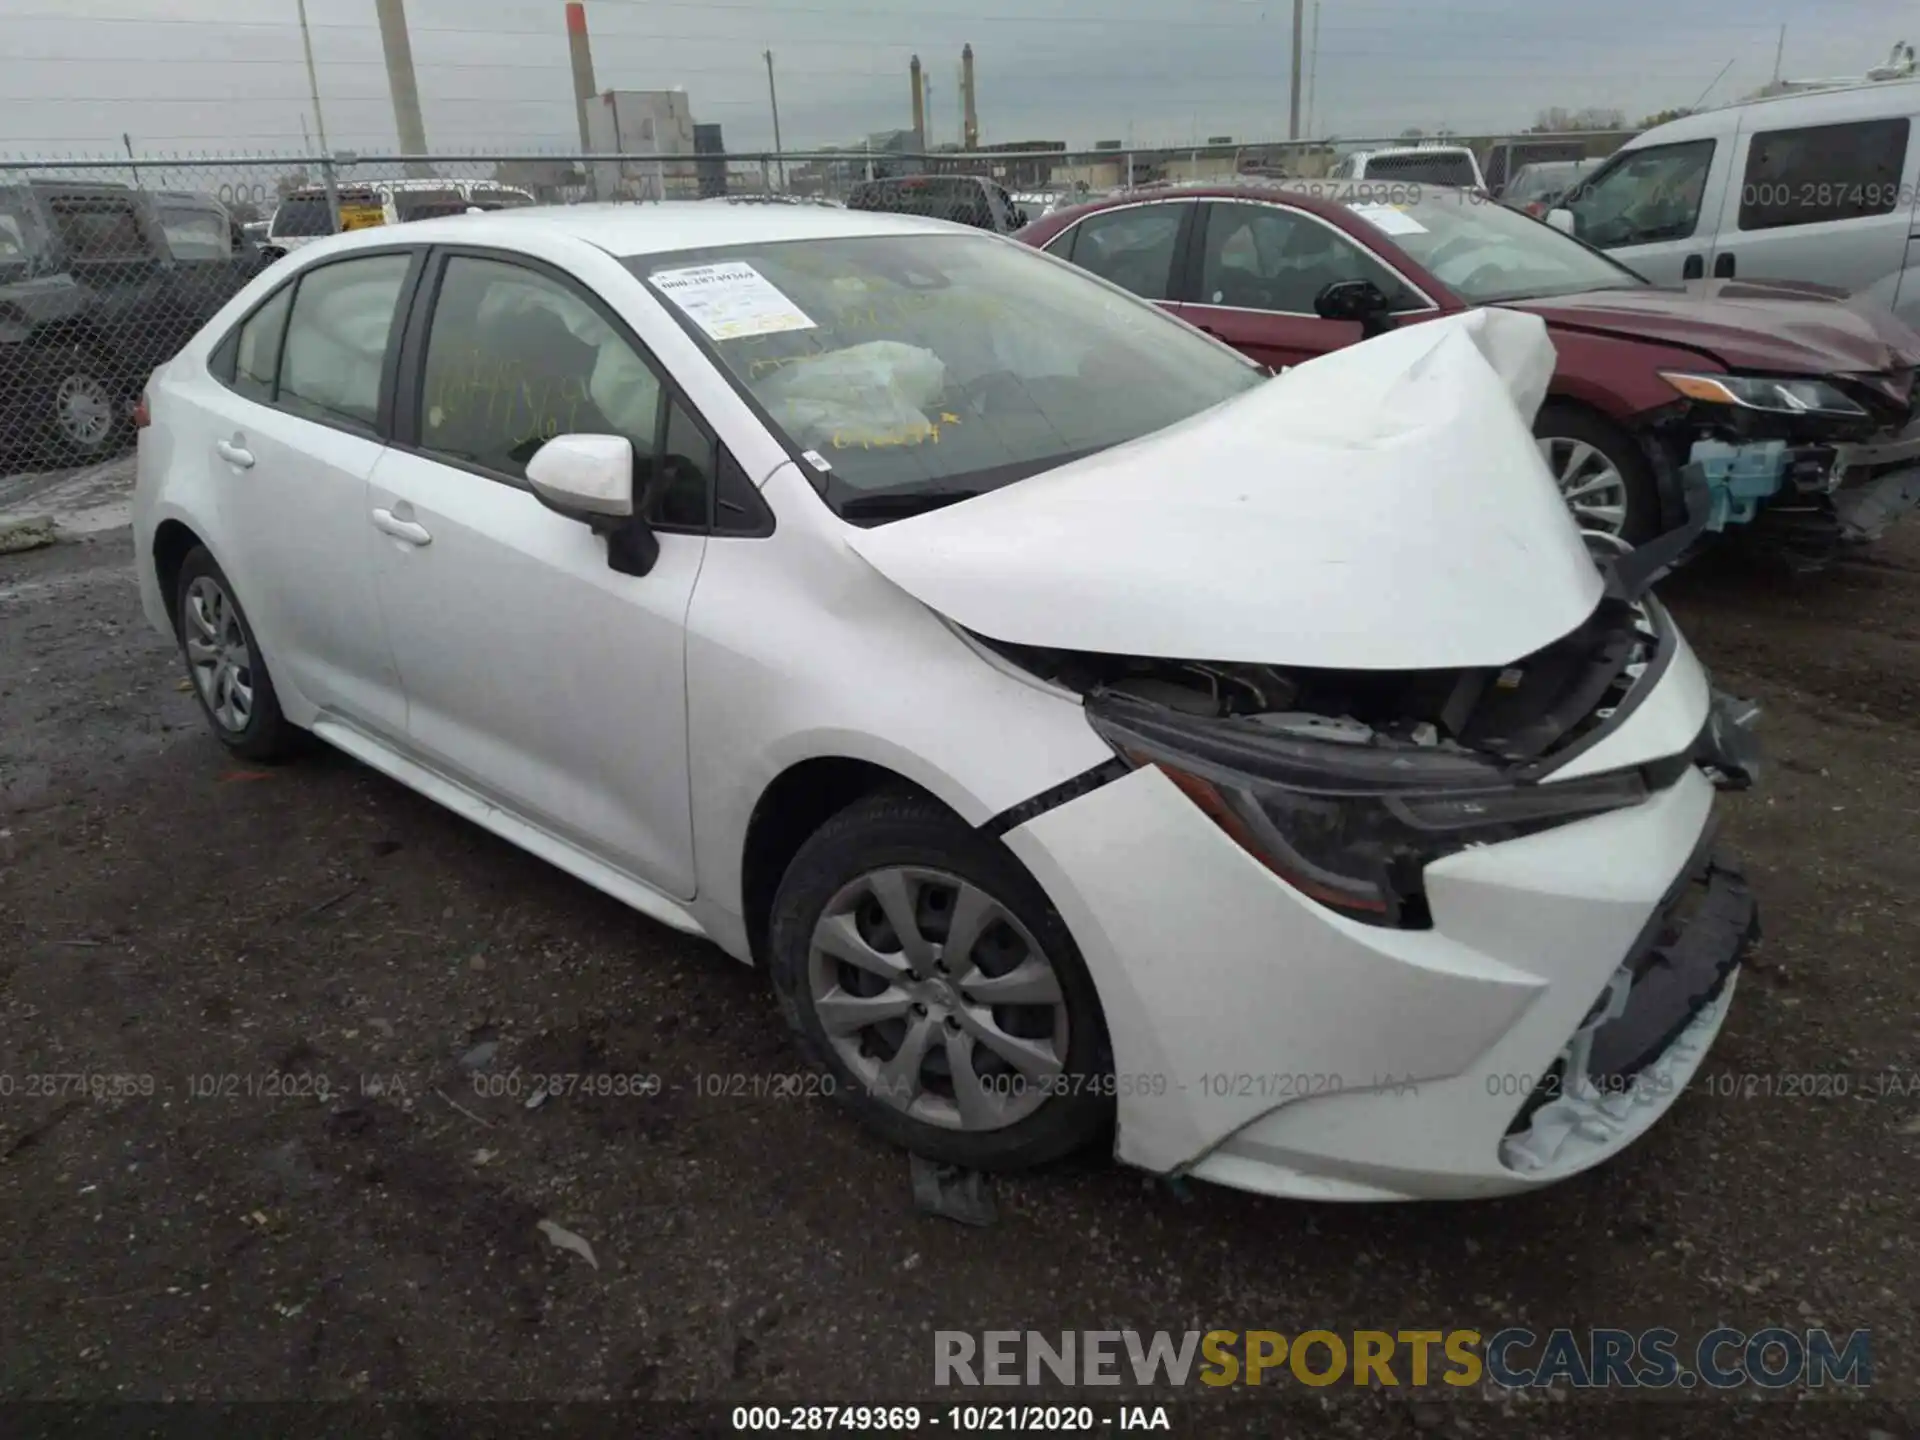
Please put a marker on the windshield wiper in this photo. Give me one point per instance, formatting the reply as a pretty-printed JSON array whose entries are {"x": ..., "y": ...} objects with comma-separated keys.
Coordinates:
[{"x": 898, "y": 504}]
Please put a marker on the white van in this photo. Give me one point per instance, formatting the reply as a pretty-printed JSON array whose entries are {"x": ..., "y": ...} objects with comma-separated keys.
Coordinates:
[
  {"x": 304, "y": 216},
  {"x": 1816, "y": 186}
]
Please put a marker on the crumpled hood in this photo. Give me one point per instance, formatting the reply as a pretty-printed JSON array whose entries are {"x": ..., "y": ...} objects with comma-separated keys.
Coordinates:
[
  {"x": 1383, "y": 507},
  {"x": 1746, "y": 325}
]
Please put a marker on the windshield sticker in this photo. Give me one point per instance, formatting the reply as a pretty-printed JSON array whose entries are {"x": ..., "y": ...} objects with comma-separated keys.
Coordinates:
[
  {"x": 731, "y": 300},
  {"x": 1389, "y": 219}
]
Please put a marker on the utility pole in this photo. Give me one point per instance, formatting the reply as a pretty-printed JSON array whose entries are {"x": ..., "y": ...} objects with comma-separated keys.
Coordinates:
[
  {"x": 1779, "y": 55},
  {"x": 126, "y": 139},
  {"x": 581, "y": 53},
  {"x": 773, "y": 99},
  {"x": 1299, "y": 28},
  {"x": 1313, "y": 69},
  {"x": 398, "y": 48},
  {"x": 319, "y": 120}
]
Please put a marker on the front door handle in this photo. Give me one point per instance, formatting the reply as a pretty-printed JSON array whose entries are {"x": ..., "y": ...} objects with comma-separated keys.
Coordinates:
[
  {"x": 236, "y": 455},
  {"x": 1723, "y": 267},
  {"x": 403, "y": 530},
  {"x": 1694, "y": 268}
]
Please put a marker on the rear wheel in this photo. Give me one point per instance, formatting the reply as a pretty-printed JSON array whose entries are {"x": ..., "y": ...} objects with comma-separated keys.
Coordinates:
[
  {"x": 1601, "y": 472},
  {"x": 82, "y": 418},
  {"x": 925, "y": 969},
  {"x": 223, "y": 662}
]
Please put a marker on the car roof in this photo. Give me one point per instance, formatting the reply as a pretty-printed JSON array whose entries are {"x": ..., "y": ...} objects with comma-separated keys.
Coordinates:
[
  {"x": 661, "y": 227},
  {"x": 1321, "y": 197}
]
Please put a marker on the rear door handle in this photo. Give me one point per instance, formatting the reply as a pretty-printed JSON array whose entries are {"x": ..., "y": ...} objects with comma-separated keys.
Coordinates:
[
  {"x": 402, "y": 530},
  {"x": 1723, "y": 267},
  {"x": 233, "y": 454}
]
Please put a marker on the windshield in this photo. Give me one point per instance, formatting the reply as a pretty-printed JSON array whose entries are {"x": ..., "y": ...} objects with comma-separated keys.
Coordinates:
[
  {"x": 1486, "y": 253},
  {"x": 1540, "y": 180},
  {"x": 196, "y": 234},
  {"x": 301, "y": 215},
  {"x": 947, "y": 363},
  {"x": 16, "y": 232}
]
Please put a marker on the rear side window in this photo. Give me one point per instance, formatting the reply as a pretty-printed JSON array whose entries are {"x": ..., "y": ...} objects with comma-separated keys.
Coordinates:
[
  {"x": 1439, "y": 168},
  {"x": 100, "y": 230},
  {"x": 1823, "y": 173},
  {"x": 1133, "y": 247},
  {"x": 336, "y": 342},
  {"x": 257, "y": 356},
  {"x": 302, "y": 215}
]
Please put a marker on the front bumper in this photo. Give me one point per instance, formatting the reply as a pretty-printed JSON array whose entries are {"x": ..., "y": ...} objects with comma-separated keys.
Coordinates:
[{"x": 1262, "y": 1041}]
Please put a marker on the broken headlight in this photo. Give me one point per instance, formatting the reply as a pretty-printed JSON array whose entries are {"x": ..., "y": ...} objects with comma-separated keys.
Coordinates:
[
  {"x": 1776, "y": 395},
  {"x": 1350, "y": 825}
]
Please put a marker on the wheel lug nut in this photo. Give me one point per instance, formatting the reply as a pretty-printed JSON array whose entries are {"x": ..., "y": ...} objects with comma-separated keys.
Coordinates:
[
  {"x": 919, "y": 1009},
  {"x": 953, "y": 1022}
]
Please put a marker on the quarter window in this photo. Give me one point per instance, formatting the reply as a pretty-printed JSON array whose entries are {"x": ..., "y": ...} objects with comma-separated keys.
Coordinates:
[
  {"x": 258, "y": 354},
  {"x": 1822, "y": 173},
  {"x": 1262, "y": 257},
  {"x": 337, "y": 339},
  {"x": 1132, "y": 247}
]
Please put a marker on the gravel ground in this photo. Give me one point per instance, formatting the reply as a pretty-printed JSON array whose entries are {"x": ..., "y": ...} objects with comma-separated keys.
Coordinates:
[{"x": 166, "y": 914}]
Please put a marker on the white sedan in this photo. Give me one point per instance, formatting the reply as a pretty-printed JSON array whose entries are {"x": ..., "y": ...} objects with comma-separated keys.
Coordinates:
[{"x": 1092, "y": 736}]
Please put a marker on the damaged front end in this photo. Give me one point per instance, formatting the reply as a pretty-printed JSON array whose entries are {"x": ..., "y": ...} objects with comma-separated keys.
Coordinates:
[
  {"x": 1810, "y": 465},
  {"x": 1347, "y": 784}
]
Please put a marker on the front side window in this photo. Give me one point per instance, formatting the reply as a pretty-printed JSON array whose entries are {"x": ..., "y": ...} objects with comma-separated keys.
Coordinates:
[
  {"x": 1823, "y": 173},
  {"x": 1132, "y": 247},
  {"x": 196, "y": 234},
  {"x": 1262, "y": 257},
  {"x": 515, "y": 358},
  {"x": 1645, "y": 196},
  {"x": 337, "y": 337},
  {"x": 949, "y": 364}
]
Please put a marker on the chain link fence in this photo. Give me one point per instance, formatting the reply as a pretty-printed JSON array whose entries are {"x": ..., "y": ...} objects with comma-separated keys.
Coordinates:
[{"x": 109, "y": 265}]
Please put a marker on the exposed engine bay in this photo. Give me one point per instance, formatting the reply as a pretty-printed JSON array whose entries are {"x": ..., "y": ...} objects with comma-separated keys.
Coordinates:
[{"x": 1523, "y": 712}]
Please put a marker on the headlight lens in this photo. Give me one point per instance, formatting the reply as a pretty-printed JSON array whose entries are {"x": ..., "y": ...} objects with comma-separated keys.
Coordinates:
[
  {"x": 1350, "y": 826},
  {"x": 1764, "y": 392}
]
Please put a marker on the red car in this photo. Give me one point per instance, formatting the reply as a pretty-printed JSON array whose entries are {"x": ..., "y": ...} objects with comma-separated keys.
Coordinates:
[{"x": 1798, "y": 407}]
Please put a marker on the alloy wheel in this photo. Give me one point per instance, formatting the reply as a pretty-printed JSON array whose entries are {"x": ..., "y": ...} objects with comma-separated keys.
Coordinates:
[
  {"x": 83, "y": 409},
  {"x": 218, "y": 654},
  {"x": 1590, "y": 483},
  {"x": 938, "y": 999}
]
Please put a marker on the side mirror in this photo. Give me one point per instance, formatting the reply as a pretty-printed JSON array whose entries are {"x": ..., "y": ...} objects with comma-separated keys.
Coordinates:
[
  {"x": 590, "y": 478},
  {"x": 1360, "y": 300},
  {"x": 1561, "y": 219}
]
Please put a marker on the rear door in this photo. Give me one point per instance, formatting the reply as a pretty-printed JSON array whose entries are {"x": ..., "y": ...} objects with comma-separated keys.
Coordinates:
[
  {"x": 291, "y": 423},
  {"x": 1827, "y": 203},
  {"x": 1256, "y": 270}
]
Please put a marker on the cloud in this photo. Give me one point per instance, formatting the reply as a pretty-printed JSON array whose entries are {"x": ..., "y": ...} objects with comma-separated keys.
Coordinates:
[{"x": 493, "y": 74}]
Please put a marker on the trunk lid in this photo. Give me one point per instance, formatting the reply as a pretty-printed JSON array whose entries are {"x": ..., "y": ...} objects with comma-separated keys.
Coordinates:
[{"x": 1383, "y": 507}]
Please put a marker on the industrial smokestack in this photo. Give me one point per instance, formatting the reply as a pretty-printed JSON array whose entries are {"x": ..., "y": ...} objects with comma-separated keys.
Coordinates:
[
  {"x": 582, "y": 51},
  {"x": 395, "y": 42},
  {"x": 919, "y": 106},
  {"x": 970, "y": 118}
]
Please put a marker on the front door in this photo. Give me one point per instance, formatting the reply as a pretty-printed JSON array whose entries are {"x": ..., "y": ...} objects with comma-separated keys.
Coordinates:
[
  {"x": 535, "y": 674},
  {"x": 1656, "y": 210}
]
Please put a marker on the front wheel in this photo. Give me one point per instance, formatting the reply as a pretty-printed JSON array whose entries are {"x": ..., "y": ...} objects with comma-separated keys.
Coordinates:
[
  {"x": 927, "y": 972},
  {"x": 1601, "y": 472}
]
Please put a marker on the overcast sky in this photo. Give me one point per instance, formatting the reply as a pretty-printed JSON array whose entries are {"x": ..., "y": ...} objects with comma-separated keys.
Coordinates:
[{"x": 493, "y": 74}]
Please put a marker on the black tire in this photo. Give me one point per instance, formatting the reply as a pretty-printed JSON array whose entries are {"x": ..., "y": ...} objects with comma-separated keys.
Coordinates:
[
  {"x": 266, "y": 734},
  {"x": 84, "y": 416},
  {"x": 1575, "y": 423},
  {"x": 905, "y": 828}
]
